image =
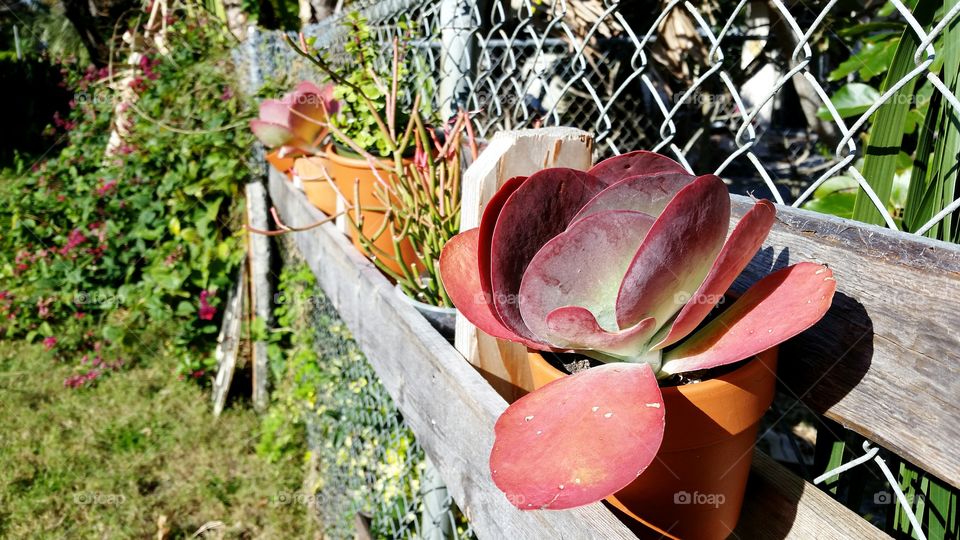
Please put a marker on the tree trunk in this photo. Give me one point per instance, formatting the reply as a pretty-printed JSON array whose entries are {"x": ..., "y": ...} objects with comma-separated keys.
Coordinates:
[{"x": 95, "y": 20}]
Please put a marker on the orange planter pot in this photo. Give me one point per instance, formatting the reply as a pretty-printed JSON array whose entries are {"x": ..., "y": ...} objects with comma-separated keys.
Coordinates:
[
  {"x": 695, "y": 487},
  {"x": 313, "y": 171},
  {"x": 282, "y": 164},
  {"x": 345, "y": 171}
]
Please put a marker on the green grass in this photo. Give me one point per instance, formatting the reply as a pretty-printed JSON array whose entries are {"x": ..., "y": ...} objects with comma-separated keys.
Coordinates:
[{"x": 110, "y": 461}]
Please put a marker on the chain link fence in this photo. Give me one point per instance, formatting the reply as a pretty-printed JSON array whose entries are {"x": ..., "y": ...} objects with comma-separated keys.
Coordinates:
[
  {"x": 748, "y": 90},
  {"x": 368, "y": 476}
]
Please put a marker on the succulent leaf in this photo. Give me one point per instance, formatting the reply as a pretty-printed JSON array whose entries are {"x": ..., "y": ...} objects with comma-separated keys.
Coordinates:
[
  {"x": 649, "y": 193},
  {"x": 738, "y": 250},
  {"x": 582, "y": 266},
  {"x": 535, "y": 212},
  {"x": 677, "y": 253},
  {"x": 270, "y": 134},
  {"x": 308, "y": 111},
  {"x": 274, "y": 111},
  {"x": 488, "y": 222},
  {"x": 576, "y": 328},
  {"x": 296, "y": 121},
  {"x": 579, "y": 438},
  {"x": 773, "y": 310},
  {"x": 638, "y": 162},
  {"x": 460, "y": 275}
]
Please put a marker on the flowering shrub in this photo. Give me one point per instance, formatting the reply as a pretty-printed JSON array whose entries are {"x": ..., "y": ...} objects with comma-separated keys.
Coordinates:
[{"x": 129, "y": 255}]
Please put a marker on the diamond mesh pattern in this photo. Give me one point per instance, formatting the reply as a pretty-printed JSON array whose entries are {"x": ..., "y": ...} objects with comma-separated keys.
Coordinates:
[{"x": 731, "y": 88}]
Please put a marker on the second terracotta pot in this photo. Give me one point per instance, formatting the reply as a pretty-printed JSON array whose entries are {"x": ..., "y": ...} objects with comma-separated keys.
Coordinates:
[
  {"x": 345, "y": 172},
  {"x": 313, "y": 171},
  {"x": 694, "y": 488}
]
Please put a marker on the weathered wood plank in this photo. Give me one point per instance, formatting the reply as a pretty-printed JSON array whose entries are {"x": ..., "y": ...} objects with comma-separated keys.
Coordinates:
[
  {"x": 447, "y": 404},
  {"x": 510, "y": 154},
  {"x": 781, "y": 505},
  {"x": 885, "y": 361},
  {"x": 228, "y": 342},
  {"x": 258, "y": 255}
]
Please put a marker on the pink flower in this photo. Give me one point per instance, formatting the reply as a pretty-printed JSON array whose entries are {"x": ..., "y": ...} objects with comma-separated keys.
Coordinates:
[
  {"x": 43, "y": 307},
  {"x": 105, "y": 188},
  {"x": 49, "y": 342},
  {"x": 79, "y": 315},
  {"x": 206, "y": 311},
  {"x": 74, "y": 239}
]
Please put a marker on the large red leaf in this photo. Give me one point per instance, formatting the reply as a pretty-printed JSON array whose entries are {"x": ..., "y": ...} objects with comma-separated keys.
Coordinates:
[
  {"x": 578, "y": 439},
  {"x": 460, "y": 276},
  {"x": 488, "y": 221},
  {"x": 638, "y": 162},
  {"x": 538, "y": 210},
  {"x": 739, "y": 249},
  {"x": 574, "y": 327},
  {"x": 582, "y": 266},
  {"x": 774, "y": 310},
  {"x": 677, "y": 253},
  {"x": 648, "y": 193}
]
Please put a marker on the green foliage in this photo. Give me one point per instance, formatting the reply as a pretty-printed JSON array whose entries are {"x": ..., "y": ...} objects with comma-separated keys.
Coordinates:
[
  {"x": 886, "y": 133},
  {"x": 912, "y": 137},
  {"x": 934, "y": 182},
  {"x": 99, "y": 252},
  {"x": 294, "y": 366},
  {"x": 851, "y": 100},
  {"x": 370, "y": 79}
]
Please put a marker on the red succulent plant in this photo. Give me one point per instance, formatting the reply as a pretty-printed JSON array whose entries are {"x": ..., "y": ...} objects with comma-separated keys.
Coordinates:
[{"x": 622, "y": 263}]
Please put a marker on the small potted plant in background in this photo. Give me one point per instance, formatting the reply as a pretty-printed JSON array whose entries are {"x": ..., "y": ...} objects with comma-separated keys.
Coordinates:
[
  {"x": 364, "y": 152},
  {"x": 410, "y": 209},
  {"x": 399, "y": 176},
  {"x": 423, "y": 203},
  {"x": 295, "y": 127},
  {"x": 624, "y": 265}
]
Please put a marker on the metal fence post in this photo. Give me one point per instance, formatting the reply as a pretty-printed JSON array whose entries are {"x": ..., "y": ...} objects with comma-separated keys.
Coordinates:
[{"x": 456, "y": 54}]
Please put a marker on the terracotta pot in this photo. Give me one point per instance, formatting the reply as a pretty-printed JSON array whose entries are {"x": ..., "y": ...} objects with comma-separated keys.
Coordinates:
[
  {"x": 694, "y": 489},
  {"x": 345, "y": 171},
  {"x": 312, "y": 171},
  {"x": 282, "y": 164}
]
